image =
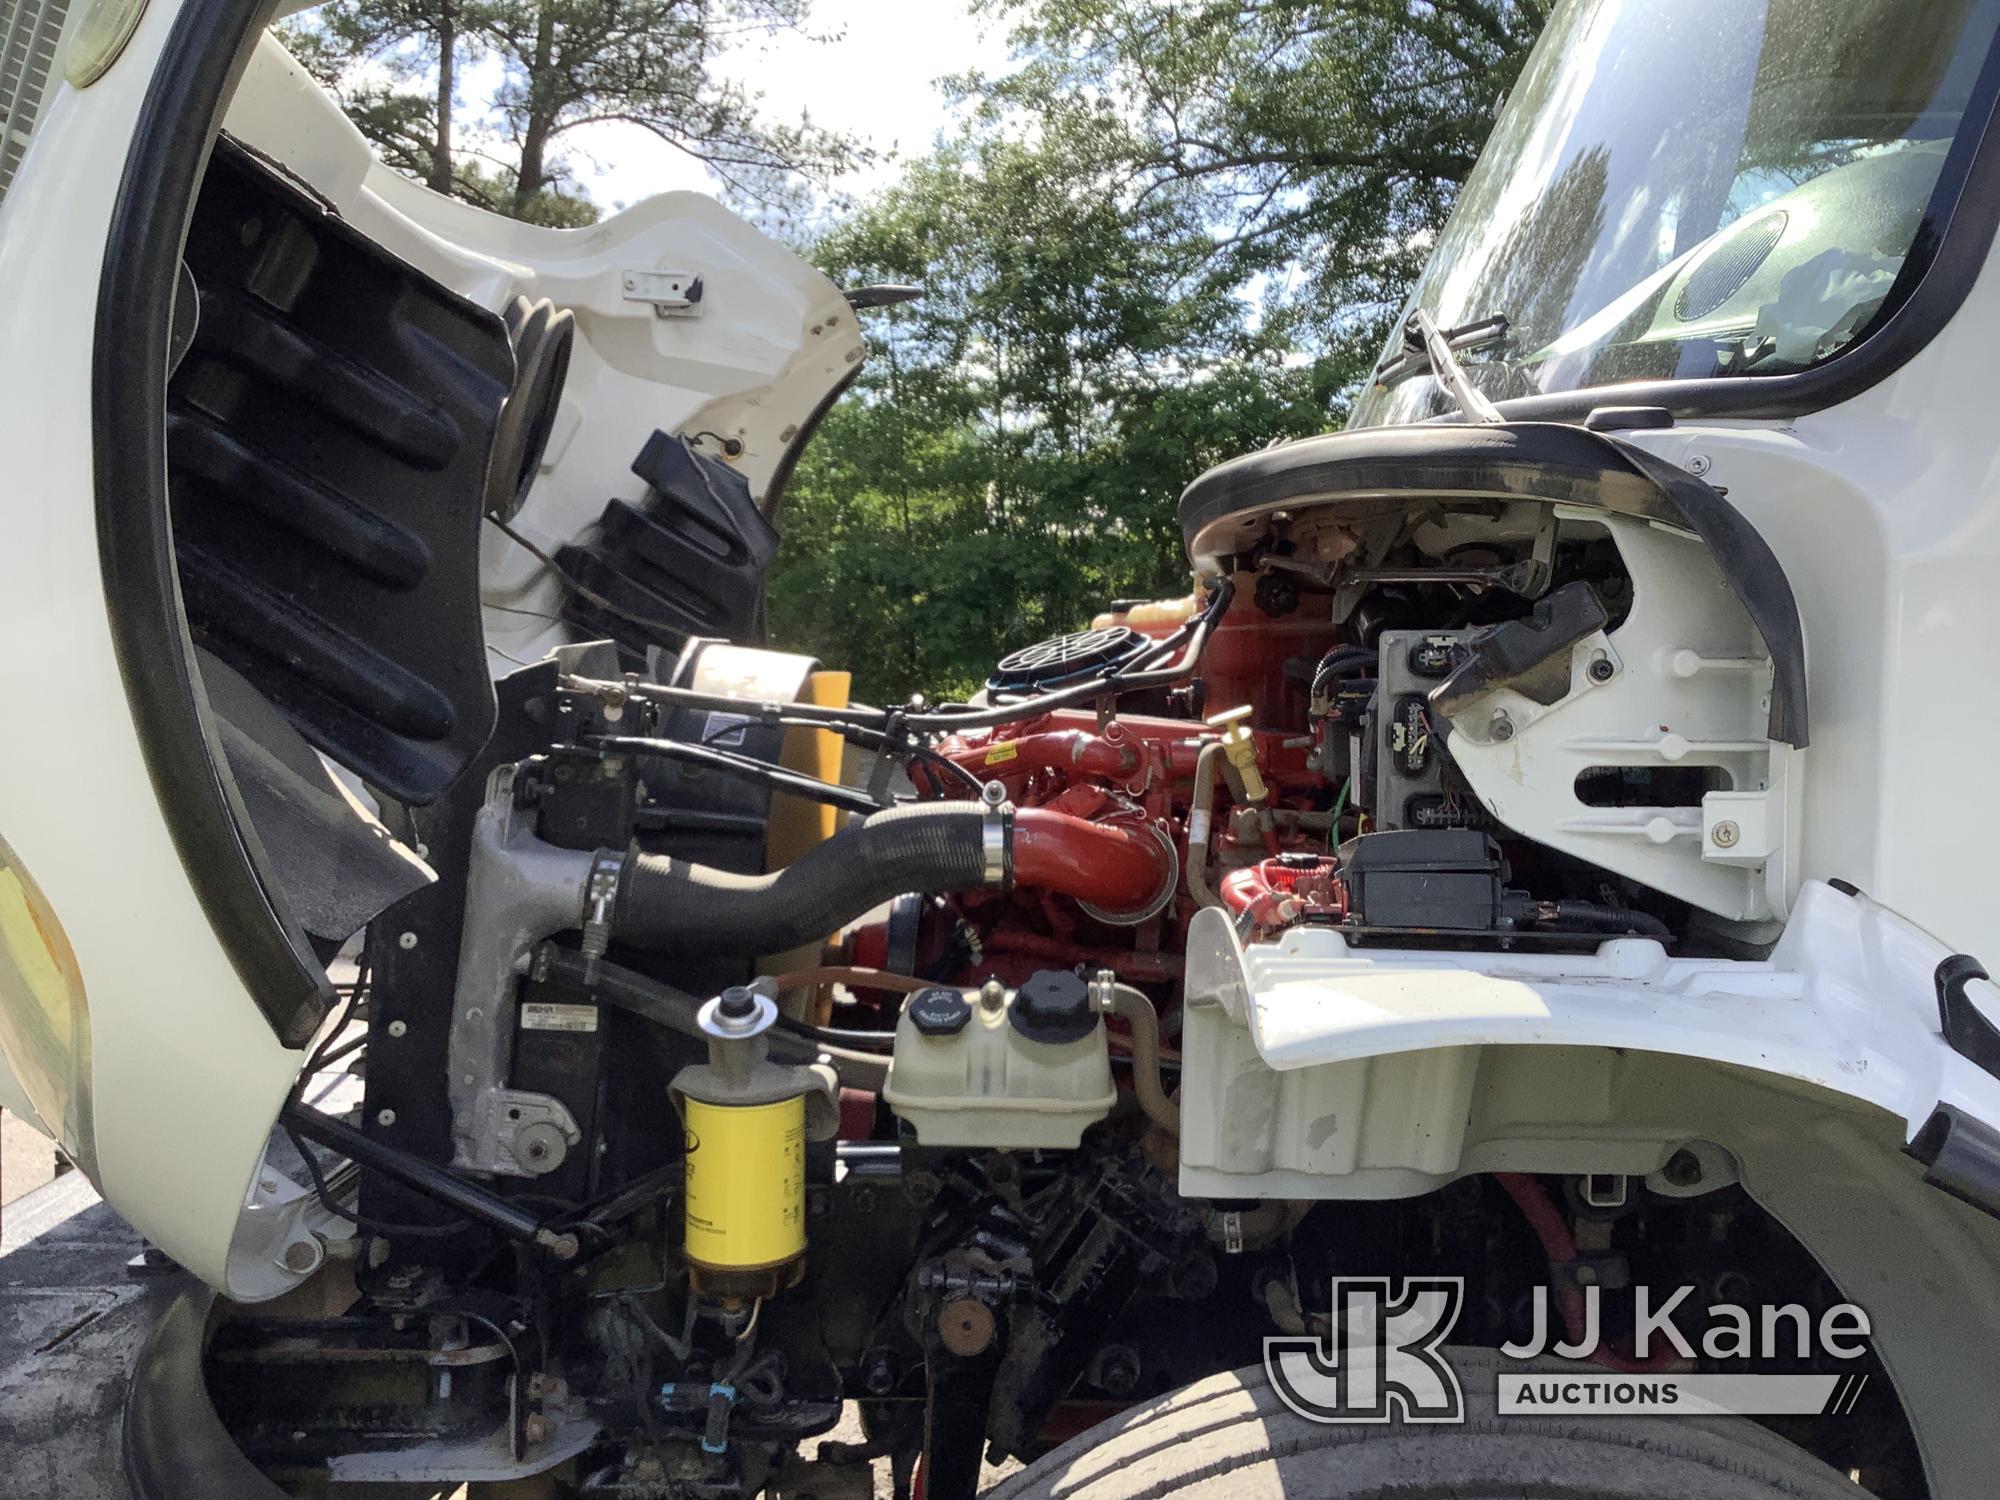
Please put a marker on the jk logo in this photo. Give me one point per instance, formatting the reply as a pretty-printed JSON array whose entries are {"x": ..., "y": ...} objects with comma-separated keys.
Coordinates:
[{"x": 1379, "y": 1359}]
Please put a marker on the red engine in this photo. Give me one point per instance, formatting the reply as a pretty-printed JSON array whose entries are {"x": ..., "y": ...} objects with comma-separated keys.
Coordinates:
[{"x": 1126, "y": 824}]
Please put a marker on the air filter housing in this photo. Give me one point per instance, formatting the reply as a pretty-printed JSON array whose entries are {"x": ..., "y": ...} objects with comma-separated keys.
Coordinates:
[{"x": 1065, "y": 659}]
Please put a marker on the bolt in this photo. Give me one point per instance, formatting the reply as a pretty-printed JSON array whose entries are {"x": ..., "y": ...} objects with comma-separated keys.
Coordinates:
[
  {"x": 1602, "y": 670},
  {"x": 1116, "y": 1371},
  {"x": 1699, "y": 465},
  {"x": 1586, "y": 1275},
  {"x": 1684, "y": 1170},
  {"x": 399, "y": 1028},
  {"x": 878, "y": 1372},
  {"x": 407, "y": 941},
  {"x": 385, "y": 1118},
  {"x": 1502, "y": 728},
  {"x": 1726, "y": 835}
]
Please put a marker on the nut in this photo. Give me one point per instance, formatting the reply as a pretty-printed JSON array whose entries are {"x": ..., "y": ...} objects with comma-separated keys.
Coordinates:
[
  {"x": 1726, "y": 834},
  {"x": 1683, "y": 1170}
]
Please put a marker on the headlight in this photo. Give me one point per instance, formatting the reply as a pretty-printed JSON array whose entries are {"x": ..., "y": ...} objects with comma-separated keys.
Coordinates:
[{"x": 44, "y": 1021}]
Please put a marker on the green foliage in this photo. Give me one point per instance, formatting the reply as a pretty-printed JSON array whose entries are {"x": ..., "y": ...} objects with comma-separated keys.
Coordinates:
[
  {"x": 1172, "y": 234},
  {"x": 564, "y": 65},
  {"x": 1323, "y": 140}
]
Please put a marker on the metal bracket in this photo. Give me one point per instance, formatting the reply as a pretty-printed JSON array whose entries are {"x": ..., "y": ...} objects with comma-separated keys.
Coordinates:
[
  {"x": 526, "y": 1134},
  {"x": 673, "y": 294}
]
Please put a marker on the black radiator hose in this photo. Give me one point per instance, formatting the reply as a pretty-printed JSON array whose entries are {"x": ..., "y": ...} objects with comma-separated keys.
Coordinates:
[{"x": 672, "y": 906}]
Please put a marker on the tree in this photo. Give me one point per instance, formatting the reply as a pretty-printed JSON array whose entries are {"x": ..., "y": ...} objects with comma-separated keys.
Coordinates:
[
  {"x": 1323, "y": 140},
  {"x": 1010, "y": 461},
  {"x": 1174, "y": 231},
  {"x": 564, "y": 65}
]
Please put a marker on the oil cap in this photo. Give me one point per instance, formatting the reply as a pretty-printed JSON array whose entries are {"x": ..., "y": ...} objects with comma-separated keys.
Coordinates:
[
  {"x": 1054, "y": 1007},
  {"x": 939, "y": 1011}
]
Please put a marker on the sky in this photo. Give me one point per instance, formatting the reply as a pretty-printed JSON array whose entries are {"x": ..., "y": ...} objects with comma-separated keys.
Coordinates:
[{"x": 874, "y": 79}]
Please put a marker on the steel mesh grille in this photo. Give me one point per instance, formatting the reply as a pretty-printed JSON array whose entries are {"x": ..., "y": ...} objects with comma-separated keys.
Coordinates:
[
  {"x": 1729, "y": 267},
  {"x": 29, "y": 32}
]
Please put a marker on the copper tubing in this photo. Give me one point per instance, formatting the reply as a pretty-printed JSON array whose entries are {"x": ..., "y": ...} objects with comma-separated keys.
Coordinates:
[
  {"x": 1114, "y": 866},
  {"x": 1017, "y": 942},
  {"x": 1135, "y": 1009},
  {"x": 853, "y": 977},
  {"x": 1200, "y": 816}
]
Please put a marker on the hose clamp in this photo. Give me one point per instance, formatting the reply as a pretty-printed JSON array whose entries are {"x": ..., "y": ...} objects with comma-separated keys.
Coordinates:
[{"x": 996, "y": 836}]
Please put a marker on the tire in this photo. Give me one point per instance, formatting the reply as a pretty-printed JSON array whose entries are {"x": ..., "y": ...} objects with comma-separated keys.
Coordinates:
[{"x": 1231, "y": 1438}]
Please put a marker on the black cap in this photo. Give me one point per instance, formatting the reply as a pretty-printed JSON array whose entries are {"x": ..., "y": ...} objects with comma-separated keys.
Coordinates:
[
  {"x": 1054, "y": 1006},
  {"x": 938, "y": 1011},
  {"x": 738, "y": 1002}
]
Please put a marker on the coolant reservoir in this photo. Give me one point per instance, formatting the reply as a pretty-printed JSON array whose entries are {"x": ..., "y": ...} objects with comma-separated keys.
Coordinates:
[{"x": 1008, "y": 1071}]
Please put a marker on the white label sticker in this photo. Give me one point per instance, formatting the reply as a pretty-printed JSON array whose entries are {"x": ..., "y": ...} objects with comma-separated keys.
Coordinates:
[
  {"x": 727, "y": 730},
  {"x": 544, "y": 1015}
]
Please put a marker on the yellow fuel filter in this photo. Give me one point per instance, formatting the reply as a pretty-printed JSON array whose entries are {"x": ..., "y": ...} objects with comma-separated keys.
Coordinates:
[
  {"x": 747, "y": 1120},
  {"x": 745, "y": 1192}
]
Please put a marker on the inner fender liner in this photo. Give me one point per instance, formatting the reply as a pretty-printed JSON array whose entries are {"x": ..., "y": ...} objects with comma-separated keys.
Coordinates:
[
  {"x": 1225, "y": 510},
  {"x": 671, "y": 905}
]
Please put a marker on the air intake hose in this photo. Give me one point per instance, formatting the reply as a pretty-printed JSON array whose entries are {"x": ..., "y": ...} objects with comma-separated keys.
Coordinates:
[{"x": 672, "y": 906}]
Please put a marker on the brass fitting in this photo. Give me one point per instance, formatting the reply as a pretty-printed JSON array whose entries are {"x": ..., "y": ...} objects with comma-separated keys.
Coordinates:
[{"x": 1240, "y": 747}]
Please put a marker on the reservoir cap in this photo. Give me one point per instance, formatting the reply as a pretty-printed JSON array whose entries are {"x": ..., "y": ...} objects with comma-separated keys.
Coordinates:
[
  {"x": 939, "y": 1011},
  {"x": 1054, "y": 1006}
]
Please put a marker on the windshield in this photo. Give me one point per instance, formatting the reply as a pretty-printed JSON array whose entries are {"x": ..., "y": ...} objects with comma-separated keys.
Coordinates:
[{"x": 1681, "y": 189}]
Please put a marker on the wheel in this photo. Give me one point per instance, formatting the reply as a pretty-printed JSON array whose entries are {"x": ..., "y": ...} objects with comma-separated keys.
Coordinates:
[{"x": 1230, "y": 1438}]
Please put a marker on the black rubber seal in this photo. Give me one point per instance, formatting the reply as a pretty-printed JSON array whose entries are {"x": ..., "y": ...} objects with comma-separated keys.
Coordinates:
[
  {"x": 175, "y": 1446},
  {"x": 1960, "y": 1156},
  {"x": 204, "y": 56}
]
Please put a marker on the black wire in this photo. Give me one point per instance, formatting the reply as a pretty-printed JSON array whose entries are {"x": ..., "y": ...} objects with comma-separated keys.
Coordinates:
[
  {"x": 795, "y": 783},
  {"x": 352, "y": 1044},
  {"x": 871, "y": 738},
  {"x": 364, "y": 1221},
  {"x": 329, "y": 1051},
  {"x": 833, "y": 1036},
  {"x": 897, "y": 746},
  {"x": 579, "y": 587},
  {"x": 731, "y": 446}
]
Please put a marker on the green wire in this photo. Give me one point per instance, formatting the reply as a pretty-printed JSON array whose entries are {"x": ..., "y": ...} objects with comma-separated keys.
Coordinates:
[{"x": 1339, "y": 807}]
